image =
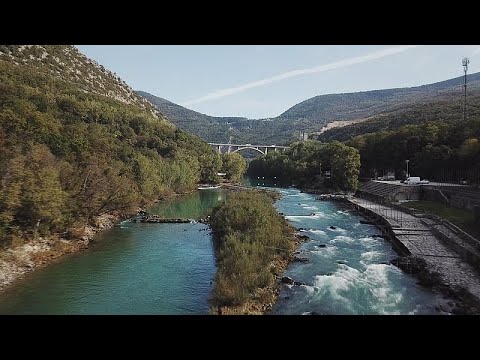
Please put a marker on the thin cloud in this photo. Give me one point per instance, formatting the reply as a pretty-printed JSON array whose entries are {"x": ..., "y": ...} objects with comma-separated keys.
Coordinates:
[{"x": 317, "y": 69}]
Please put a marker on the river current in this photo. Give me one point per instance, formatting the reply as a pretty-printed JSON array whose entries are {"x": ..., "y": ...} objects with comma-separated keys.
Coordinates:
[{"x": 137, "y": 268}]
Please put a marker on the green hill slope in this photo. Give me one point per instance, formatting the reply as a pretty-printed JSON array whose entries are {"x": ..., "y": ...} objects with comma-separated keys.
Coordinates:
[
  {"x": 77, "y": 142},
  {"x": 403, "y": 105}
]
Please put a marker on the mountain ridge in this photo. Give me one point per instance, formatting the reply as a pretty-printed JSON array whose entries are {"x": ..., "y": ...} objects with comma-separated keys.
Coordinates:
[{"x": 313, "y": 114}]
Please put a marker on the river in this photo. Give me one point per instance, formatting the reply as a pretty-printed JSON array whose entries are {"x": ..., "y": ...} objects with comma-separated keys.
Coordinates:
[
  {"x": 348, "y": 270},
  {"x": 137, "y": 268},
  {"x": 133, "y": 268}
]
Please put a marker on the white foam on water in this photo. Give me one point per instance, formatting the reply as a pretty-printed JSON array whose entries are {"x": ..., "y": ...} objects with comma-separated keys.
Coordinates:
[
  {"x": 346, "y": 281},
  {"x": 342, "y": 239},
  {"x": 342, "y": 212},
  {"x": 386, "y": 300},
  {"x": 309, "y": 207},
  {"x": 368, "y": 239},
  {"x": 338, "y": 285},
  {"x": 310, "y": 289},
  {"x": 368, "y": 242},
  {"x": 317, "y": 231},
  {"x": 327, "y": 251},
  {"x": 300, "y": 195},
  {"x": 371, "y": 255},
  {"x": 317, "y": 215},
  {"x": 295, "y": 218}
]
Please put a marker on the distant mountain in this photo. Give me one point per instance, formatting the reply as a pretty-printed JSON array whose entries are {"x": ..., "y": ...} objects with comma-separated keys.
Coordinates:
[
  {"x": 314, "y": 114},
  {"x": 225, "y": 129},
  {"x": 210, "y": 128},
  {"x": 319, "y": 110}
]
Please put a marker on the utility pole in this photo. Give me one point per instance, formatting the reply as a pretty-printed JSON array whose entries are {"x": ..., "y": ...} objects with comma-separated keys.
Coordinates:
[{"x": 465, "y": 62}]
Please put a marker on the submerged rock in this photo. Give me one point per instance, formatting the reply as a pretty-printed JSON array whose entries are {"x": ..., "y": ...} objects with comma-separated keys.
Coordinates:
[
  {"x": 287, "y": 280},
  {"x": 300, "y": 259},
  {"x": 298, "y": 283}
]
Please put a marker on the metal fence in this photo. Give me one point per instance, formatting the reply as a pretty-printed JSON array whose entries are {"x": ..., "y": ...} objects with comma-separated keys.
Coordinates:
[{"x": 449, "y": 177}]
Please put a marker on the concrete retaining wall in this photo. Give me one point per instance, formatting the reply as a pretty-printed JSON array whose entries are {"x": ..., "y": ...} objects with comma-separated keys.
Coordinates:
[{"x": 384, "y": 226}]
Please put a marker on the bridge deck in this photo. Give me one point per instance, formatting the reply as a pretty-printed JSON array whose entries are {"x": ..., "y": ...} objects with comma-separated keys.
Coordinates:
[{"x": 250, "y": 145}]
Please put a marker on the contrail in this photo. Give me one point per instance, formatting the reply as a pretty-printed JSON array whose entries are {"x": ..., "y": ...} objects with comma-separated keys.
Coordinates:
[{"x": 317, "y": 69}]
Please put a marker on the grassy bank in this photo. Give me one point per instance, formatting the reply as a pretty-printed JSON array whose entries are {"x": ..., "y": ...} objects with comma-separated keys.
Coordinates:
[
  {"x": 253, "y": 245},
  {"x": 464, "y": 219}
]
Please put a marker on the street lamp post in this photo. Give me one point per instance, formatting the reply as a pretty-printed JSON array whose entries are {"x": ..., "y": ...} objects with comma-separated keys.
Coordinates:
[{"x": 408, "y": 175}]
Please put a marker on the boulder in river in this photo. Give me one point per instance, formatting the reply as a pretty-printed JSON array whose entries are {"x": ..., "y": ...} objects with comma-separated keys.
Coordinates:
[
  {"x": 300, "y": 259},
  {"x": 333, "y": 227},
  {"x": 298, "y": 283},
  {"x": 287, "y": 280},
  {"x": 322, "y": 245}
]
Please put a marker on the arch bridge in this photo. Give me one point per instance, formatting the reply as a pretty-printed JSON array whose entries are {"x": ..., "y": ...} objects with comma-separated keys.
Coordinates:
[{"x": 231, "y": 148}]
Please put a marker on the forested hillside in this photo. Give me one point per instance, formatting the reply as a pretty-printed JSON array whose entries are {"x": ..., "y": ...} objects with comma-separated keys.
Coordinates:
[
  {"x": 76, "y": 143},
  {"x": 209, "y": 128},
  {"x": 326, "y": 108},
  {"x": 448, "y": 110},
  {"x": 387, "y": 109},
  {"x": 223, "y": 129}
]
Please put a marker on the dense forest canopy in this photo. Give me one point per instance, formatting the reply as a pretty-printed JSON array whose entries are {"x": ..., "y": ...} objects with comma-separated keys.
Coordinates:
[
  {"x": 435, "y": 150},
  {"x": 311, "y": 164}
]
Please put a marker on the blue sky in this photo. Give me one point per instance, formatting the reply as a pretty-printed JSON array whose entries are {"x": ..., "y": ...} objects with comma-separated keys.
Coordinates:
[{"x": 262, "y": 81}]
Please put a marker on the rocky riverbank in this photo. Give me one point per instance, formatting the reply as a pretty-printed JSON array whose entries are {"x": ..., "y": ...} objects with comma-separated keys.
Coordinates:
[
  {"x": 27, "y": 255},
  {"x": 20, "y": 259}
]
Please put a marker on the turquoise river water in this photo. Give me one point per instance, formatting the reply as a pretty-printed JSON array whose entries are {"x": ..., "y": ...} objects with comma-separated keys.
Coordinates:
[{"x": 137, "y": 268}]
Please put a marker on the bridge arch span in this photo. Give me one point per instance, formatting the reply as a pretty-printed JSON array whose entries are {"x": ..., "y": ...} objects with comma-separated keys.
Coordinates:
[{"x": 248, "y": 147}]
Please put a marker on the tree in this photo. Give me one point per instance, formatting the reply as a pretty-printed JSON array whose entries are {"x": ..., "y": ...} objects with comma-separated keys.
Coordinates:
[
  {"x": 234, "y": 165},
  {"x": 345, "y": 165},
  {"x": 210, "y": 165},
  {"x": 42, "y": 199}
]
